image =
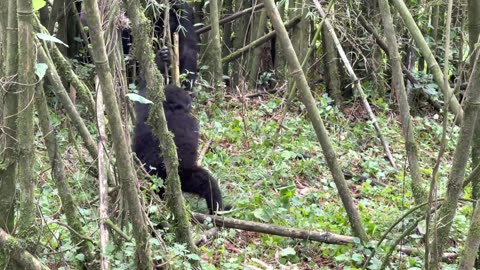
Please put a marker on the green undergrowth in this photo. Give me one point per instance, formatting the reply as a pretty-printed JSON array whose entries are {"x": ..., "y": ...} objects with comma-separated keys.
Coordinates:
[
  {"x": 283, "y": 179},
  {"x": 275, "y": 178}
]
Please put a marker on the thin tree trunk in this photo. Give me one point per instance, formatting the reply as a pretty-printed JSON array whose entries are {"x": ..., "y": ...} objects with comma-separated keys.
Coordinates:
[
  {"x": 299, "y": 36},
  {"x": 314, "y": 115},
  {"x": 378, "y": 67},
  {"x": 3, "y": 40},
  {"x": 473, "y": 33},
  {"x": 227, "y": 33},
  {"x": 398, "y": 87},
  {"x": 257, "y": 52},
  {"x": 240, "y": 29},
  {"x": 429, "y": 57},
  {"x": 58, "y": 175},
  {"x": 472, "y": 243},
  {"x": 123, "y": 158},
  {"x": 279, "y": 64},
  {"x": 215, "y": 51},
  {"x": 8, "y": 174},
  {"x": 455, "y": 180},
  {"x": 473, "y": 9},
  {"x": 332, "y": 73},
  {"x": 25, "y": 125},
  {"x": 102, "y": 182}
]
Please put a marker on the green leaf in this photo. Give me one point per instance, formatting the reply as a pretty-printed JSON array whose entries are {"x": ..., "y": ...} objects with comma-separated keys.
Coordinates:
[
  {"x": 40, "y": 70},
  {"x": 80, "y": 257},
  {"x": 287, "y": 252},
  {"x": 46, "y": 37},
  {"x": 138, "y": 98},
  {"x": 193, "y": 256},
  {"x": 38, "y": 4},
  {"x": 261, "y": 215}
]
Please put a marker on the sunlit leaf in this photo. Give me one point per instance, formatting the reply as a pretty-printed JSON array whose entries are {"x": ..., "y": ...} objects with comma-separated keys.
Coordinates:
[{"x": 46, "y": 37}]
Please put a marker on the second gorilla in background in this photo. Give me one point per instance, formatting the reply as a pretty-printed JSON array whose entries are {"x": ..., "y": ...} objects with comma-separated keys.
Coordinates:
[
  {"x": 184, "y": 126},
  {"x": 180, "y": 20}
]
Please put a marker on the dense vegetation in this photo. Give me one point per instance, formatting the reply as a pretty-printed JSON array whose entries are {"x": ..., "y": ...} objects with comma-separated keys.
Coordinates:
[{"x": 344, "y": 135}]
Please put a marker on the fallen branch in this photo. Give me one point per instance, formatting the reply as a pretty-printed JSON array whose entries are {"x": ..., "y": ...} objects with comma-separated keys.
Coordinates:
[{"x": 323, "y": 237}]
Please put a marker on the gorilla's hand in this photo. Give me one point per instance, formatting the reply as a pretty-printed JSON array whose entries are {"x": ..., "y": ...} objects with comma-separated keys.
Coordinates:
[{"x": 164, "y": 54}]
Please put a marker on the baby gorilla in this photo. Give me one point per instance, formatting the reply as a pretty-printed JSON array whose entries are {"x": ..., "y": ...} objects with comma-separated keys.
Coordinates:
[{"x": 184, "y": 126}]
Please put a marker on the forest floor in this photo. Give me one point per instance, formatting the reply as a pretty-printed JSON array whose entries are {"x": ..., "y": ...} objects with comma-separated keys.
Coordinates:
[
  {"x": 278, "y": 178},
  {"x": 282, "y": 178}
]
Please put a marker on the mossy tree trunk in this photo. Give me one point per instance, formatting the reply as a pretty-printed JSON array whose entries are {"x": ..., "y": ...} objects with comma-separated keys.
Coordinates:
[
  {"x": 154, "y": 83},
  {"x": 123, "y": 158},
  {"x": 8, "y": 174},
  {"x": 314, "y": 116},
  {"x": 214, "y": 52},
  {"x": 25, "y": 125}
]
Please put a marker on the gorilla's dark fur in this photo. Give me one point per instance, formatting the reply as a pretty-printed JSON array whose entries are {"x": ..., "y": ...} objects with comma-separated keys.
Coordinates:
[{"x": 184, "y": 126}]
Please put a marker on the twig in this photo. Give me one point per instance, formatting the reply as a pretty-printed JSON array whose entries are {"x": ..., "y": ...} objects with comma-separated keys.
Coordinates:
[
  {"x": 229, "y": 18},
  {"x": 203, "y": 152}
]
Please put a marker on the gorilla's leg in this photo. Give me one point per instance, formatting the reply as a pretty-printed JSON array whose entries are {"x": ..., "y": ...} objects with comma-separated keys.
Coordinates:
[{"x": 197, "y": 180}]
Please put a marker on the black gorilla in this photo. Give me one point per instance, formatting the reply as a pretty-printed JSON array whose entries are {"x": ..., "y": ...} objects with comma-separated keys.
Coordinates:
[
  {"x": 184, "y": 126},
  {"x": 181, "y": 20}
]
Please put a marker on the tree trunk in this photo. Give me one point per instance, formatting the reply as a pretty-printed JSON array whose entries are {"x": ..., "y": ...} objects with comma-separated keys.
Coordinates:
[
  {"x": 378, "y": 67},
  {"x": 3, "y": 40},
  {"x": 398, "y": 87},
  {"x": 227, "y": 33},
  {"x": 25, "y": 124},
  {"x": 473, "y": 9},
  {"x": 279, "y": 64},
  {"x": 154, "y": 83},
  {"x": 123, "y": 157},
  {"x": 214, "y": 52},
  {"x": 330, "y": 61},
  {"x": 473, "y": 33},
  {"x": 240, "y": 29},
  {"x": 460, "y": 159},
  {"x": 8, "y": 174},
  {"x": 257, "y": 52}
]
